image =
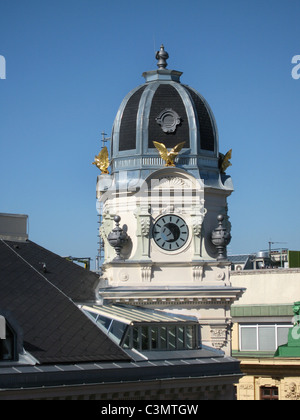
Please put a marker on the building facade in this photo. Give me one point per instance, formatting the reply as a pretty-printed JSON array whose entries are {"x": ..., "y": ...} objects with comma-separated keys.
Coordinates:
[{"x": 262, "y": 322}]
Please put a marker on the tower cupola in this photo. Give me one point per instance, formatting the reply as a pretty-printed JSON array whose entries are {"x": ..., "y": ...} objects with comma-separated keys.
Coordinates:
[
  {"x": 168, "y": 186},
  {"x": 166, "y": 111}
]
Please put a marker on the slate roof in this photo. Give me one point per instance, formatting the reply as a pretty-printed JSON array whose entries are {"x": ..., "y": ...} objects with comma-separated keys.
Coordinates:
[
  {"x": 43, "y": 304},
  {"x": 152, "y": 98}
]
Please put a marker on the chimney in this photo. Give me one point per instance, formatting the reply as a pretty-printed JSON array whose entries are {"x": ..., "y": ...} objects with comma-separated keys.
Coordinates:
[{"x": 13, "y": 227}]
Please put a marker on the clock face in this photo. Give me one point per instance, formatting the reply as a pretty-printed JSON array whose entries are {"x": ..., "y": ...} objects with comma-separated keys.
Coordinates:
[{"x": 170, "y": 232}]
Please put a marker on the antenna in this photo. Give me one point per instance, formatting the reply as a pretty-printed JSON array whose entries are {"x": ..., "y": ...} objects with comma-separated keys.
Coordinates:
[
  {"x": 154, "y": 43},
  {"x": 104, "y": 139},
  {"x": 270, "y": 250},
  {"x": 270, "y": 245}
]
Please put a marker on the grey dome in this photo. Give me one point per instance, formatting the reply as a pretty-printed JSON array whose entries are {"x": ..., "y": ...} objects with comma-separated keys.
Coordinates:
[{"x": 167, "y": 111}]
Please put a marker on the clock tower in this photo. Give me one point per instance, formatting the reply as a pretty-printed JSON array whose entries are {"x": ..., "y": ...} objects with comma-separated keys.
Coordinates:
[{"x": 163, "y": 202}]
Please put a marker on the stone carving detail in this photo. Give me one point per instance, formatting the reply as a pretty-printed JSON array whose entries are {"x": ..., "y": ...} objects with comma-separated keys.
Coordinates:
[
  {"x": 104, "y": 230},
  {"x": 197, "y": 219},
  {"x": 146, "y": 273},
  {"x": 218, "y": 337},
  {"x": 197, "y": 224},
  {"x": 197, "y": 215},
  {"x": 145, "y": 224},
  {"x": 106, "y": 225},
  {"x": 168, "y": 182},
  {"x": 142, "y": 215},
  {"x": 291, "y": 391},
  {"x": 219, "y": 334},
  {"x": 143, "y": 218},
  {"x": 124, "y": 276},
  {"x": 220, "y": 275},
  {"x": 169, "y": 209},
  {"x": 168, "y": 119},
  {"x": 198, "y": 273},
  {"x": 246, "y": 386}
]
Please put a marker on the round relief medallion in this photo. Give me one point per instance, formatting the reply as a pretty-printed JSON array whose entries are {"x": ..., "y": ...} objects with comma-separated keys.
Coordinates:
[{"x": 168, "y": 119}]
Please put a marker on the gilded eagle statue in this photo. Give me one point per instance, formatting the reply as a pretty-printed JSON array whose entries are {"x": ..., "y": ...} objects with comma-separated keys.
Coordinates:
[
  {"x": 224, "y": 162},
  {"x": 170, "y": 156},
  {"x": 102, "y": 161}
]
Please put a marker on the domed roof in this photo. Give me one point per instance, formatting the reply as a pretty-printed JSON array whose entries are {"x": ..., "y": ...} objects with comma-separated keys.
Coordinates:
[{"x": 166, "y": 111}]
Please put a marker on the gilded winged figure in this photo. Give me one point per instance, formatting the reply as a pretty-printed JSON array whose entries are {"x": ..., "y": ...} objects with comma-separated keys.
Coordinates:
[
  {"x": 224, "y": 162},
  {"x": 170, "y": 156},
  {"x": 101, "y": 161}
]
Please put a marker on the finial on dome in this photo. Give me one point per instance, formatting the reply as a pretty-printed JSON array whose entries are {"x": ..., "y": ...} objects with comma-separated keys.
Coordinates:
[
  {"x": 162, "y": 57},
  {"x": 162, "y": 73}
]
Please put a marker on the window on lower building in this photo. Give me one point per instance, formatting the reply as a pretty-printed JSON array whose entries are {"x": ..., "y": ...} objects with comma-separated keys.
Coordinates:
[
  {"x": 263, "y": 337},
  {"x": 269, "y": 393}
]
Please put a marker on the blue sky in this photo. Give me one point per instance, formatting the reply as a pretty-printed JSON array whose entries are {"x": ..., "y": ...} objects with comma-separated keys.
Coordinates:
[{"x": 69, "y": 64}]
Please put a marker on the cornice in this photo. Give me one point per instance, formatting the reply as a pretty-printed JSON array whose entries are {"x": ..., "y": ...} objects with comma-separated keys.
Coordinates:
[{"x": 172, "y": 297}]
